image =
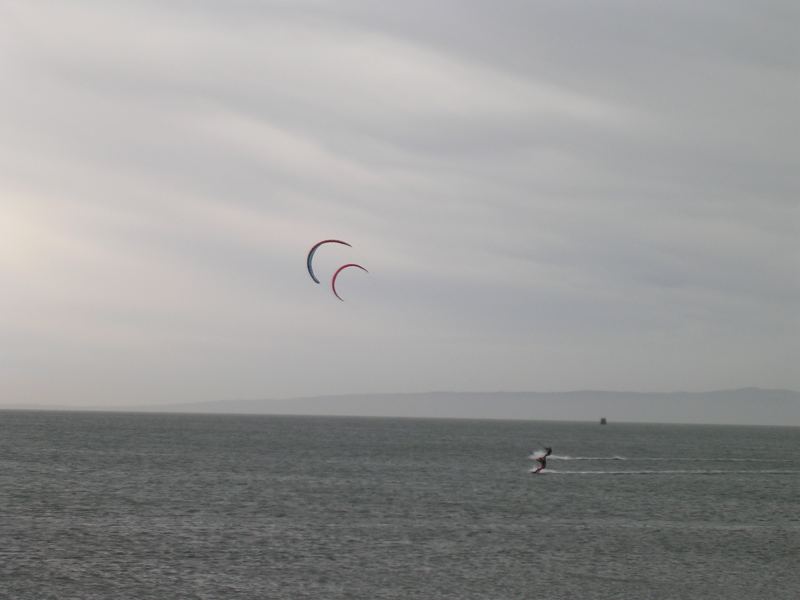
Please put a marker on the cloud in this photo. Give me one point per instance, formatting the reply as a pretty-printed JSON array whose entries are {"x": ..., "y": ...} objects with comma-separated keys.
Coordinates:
[{"x": 543, "y": 194}]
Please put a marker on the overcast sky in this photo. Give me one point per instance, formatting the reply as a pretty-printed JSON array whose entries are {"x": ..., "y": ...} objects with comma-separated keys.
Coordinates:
[{"x": 548, "y": 196}]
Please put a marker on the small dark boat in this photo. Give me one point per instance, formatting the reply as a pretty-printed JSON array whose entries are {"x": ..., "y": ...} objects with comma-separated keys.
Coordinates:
[{"x": 602, "y": 420}]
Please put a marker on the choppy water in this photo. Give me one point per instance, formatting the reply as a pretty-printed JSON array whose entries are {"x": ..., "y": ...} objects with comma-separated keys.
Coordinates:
[{"x": 118, "y": 506}]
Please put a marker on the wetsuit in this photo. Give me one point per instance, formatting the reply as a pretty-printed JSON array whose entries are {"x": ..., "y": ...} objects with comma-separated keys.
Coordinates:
[{"x": 542, "y": 460}]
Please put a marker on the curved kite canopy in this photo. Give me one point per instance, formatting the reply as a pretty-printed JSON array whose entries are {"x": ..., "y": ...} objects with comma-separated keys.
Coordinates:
[
  {"x": 313, "y": 250},
  {"x": 339, "y": 270}
]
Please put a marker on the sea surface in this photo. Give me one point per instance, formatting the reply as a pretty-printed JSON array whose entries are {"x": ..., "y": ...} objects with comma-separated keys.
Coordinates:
[{"x": 119, "y": 506}]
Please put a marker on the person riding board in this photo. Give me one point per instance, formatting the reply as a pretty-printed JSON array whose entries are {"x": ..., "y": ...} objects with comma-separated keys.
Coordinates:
[{"x": 542, "y": 460}]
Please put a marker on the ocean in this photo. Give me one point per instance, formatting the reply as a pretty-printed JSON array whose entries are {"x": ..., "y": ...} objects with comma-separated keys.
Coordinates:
[{"x": 138, "y": 506}]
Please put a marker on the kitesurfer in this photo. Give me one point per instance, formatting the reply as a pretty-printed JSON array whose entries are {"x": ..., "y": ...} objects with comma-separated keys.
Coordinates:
[{"x": 542, "y": 460}]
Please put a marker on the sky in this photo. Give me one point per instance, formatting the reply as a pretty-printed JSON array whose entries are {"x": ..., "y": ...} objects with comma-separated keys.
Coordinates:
[{"x": 547, "y": 195}]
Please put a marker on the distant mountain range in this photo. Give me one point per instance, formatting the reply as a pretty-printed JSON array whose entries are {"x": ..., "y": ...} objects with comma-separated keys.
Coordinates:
[{"x": 748, "y": 406}]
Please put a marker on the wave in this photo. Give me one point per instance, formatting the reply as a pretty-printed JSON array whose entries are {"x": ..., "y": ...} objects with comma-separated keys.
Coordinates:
[
  {"x": 663, "y": 458},
  {"x": 566, "y": 457},
  {"x": 708, "y": 459},
  {"x": 671, "y": 472}
]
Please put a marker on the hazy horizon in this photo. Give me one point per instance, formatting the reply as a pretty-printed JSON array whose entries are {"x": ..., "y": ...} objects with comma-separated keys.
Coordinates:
[
  {"x": 547, "y": 196},
  {"x": 749, "y": 406}
]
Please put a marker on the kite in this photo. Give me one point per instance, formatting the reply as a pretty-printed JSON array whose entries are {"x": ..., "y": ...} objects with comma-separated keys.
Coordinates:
[
  {"x": 339, "y": 270},
  {"x": 311, "y": 256}
]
